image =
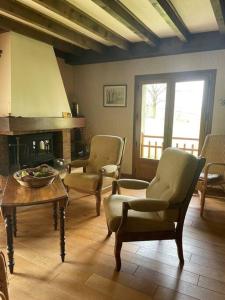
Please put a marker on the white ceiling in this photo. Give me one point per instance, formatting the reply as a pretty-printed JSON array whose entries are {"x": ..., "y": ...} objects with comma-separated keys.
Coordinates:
[
  {"x": 197, "y": 15},
  {"x": 105, "y": 18}
]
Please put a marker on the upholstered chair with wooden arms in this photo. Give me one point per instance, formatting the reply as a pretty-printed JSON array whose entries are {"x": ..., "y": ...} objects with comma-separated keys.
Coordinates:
[
  {"x": 212, "y": 180},
  {"x": 159, "y": 216},
  {"x": 3, "y": 278},
  {"x": 99, "y": 171}
]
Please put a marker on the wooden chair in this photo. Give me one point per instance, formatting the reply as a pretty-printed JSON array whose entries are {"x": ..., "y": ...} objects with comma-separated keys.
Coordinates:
[
  {"x": 99, "y": 171},
  {"x": 211, "y": 182},
  {"x": 3, "y": 278},
  {"x": 159, "y": 216}
]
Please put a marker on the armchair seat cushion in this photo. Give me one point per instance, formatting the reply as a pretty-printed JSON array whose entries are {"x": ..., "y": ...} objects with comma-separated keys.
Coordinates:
[
  {"x": 86, "y": 182},
  {"x": 137, "y": 221},
  {"x": 82, "y": 181}
]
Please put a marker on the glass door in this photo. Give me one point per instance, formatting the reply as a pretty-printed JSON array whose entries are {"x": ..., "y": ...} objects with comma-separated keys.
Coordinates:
[
  {"x": 153, "y": 120},
  {"x": 187, "y": 115},
  {"x": 170, "y": 110}
]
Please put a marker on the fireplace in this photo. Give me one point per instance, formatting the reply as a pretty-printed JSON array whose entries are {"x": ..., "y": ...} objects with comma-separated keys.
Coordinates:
[
  {"x": 33, "y": 141},
  {"x": 30, "y": 150}
]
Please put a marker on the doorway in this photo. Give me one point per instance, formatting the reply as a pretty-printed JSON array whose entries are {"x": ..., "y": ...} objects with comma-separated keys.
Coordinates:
[{"x": 171, "y": 110}]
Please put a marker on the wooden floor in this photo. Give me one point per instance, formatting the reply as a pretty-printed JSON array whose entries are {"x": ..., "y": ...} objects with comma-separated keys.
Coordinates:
[{"x": 149, "y": 269}]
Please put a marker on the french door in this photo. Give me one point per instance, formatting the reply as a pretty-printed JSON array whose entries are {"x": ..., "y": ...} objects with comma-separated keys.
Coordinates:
[{"x": 173, "y": 109}]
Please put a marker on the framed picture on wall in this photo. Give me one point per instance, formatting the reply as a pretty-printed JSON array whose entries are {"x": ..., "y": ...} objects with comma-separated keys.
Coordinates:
[{"x": 115, "y": 95}]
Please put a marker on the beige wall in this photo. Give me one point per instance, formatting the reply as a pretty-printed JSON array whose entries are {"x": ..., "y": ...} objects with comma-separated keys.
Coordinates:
[
  {"x": 67, "y": 73},
  {"x": 5, "y": 75},
  {"x": 30, "y": 81},
  {"x": 37, "y": 87},
  {"x": 89, "y": 81}
]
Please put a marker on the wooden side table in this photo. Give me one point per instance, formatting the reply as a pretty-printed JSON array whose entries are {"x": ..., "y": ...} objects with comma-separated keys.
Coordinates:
[{"x": 14, "y": 195}]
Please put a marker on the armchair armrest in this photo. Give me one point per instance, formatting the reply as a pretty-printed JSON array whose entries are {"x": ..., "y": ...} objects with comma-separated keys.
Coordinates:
[
  {"x": 206, "y": 177},
  {"x": 133, "y": 184},
  {"x": 109, "y": 170},
  {"x": 148, "y": 205},
  {"x": 142, "y": 205},
  {"x": 213, "y": 164},
  {"x": 78, "y": 163}
]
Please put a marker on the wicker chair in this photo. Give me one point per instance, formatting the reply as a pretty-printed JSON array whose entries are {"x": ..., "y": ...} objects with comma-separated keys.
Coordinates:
[{"x": 212, "y": 180}]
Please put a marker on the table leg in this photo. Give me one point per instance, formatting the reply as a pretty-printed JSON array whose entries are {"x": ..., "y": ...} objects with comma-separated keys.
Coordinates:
[
  {"x": 55, "y": 215},
  {"x": 62, "y": 207},
  {"x": 9, "y": 232},
  {"x": 14, "y": 222}
]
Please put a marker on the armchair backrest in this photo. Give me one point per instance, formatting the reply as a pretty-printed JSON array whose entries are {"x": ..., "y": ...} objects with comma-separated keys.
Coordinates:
[
  {"x": 214, "y": 151},
  {"x": 105, "y": 150},
  {"x": 174, "y": 177}
]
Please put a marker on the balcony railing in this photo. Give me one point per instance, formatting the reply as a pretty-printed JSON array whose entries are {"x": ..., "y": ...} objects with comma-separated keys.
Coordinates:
[{"x": 152, "y": 145}]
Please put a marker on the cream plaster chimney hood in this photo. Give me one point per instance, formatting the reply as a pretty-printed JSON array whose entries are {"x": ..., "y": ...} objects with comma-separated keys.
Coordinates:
[{"x": 31, "y": 86}]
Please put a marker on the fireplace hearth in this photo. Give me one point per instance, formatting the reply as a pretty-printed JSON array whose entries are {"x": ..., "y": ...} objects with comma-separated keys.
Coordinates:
[
  {"x": 28, "y": 142},
  {"x": 30, "y": 150}
]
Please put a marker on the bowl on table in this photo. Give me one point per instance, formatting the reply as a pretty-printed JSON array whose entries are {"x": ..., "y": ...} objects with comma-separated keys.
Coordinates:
[{"x": 36, "y": 177}]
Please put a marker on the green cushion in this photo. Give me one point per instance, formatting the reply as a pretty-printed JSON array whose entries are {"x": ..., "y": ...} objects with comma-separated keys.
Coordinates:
[{"x": 137, "y": 221}]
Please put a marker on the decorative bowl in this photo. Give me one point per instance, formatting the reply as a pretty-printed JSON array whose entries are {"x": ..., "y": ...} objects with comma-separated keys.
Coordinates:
[{"x": 40, "y": 176}]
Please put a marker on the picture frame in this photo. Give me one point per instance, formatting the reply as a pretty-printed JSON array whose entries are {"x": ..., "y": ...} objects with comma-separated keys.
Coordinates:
[{"x": 115, "y": 95}]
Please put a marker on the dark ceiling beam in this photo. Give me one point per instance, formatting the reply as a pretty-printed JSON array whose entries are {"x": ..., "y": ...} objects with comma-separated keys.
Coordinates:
[
  {"x": 198, "y": 42},
  {"x": 168, "y": 12},
  {"x": 219, "y": 12},
  {"x": 77, "y": 16},
  {"x": 10, "y": 25},
  {"x": 123, "y": 15},
  {"x": 26, "y": 14}
]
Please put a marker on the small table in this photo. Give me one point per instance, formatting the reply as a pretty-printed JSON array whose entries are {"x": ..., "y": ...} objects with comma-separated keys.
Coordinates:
[{"x": 15, "y": 195}]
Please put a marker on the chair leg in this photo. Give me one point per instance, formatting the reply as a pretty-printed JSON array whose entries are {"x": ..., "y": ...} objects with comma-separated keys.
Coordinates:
[
  {"x": 98, "y": 203},
  {"x": 119, "y": 190},
  {"x": 109, "y": 231},
  {"x": 117, "y": 249},
  {"x": 180, "y": 249},
  {"x": 202, "y": 203}
]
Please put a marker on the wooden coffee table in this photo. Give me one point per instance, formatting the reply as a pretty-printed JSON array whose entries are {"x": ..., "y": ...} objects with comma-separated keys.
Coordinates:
[{"x": 14, "y": 195}]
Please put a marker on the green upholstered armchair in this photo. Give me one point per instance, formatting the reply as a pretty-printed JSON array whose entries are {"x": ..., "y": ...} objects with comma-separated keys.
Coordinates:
[
  {"x": 99, "y": 171},
  {"x": 161, "y": 214},
  {"x": 212, "y": 180}
]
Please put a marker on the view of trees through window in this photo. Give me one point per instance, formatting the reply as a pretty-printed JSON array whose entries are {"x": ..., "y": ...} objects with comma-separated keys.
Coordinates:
[{"x": 186, "y": 117}]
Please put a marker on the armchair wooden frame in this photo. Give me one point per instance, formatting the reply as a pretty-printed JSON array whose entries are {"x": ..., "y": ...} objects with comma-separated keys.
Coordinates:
[
  {"x": 3, "y": 278},
  {"x": 211, "y": 182},
  {"x": 207, "y": 184},
  {"x": 104, "y": 171},
  {"x": 122, "y": 235}
]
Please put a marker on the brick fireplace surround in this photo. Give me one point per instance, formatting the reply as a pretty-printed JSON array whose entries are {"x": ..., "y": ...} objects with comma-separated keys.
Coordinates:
[{"x": 19, "y": 126}]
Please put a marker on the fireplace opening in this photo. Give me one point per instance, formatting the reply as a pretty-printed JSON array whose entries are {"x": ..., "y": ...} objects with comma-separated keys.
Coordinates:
[{"x": 30, "y": 150}]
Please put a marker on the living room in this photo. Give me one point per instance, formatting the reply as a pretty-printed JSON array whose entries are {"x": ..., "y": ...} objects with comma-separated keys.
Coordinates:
[{"x": 121, "y": 104}]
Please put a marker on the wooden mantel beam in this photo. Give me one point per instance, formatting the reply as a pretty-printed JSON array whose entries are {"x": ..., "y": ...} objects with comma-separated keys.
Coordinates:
[
  {"x": 122, "y": 14},
  {"x": 28, "y": 15},
  {"x": 77, "y": 16},
  {"x": 168, "y": 12},
  {"x": 219, "y": 12},
  {"x": 11, "y": 25}
]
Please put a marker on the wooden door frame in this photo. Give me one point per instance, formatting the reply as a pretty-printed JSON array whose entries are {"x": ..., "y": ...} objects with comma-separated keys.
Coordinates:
[{"x": 209, "y": 76}]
